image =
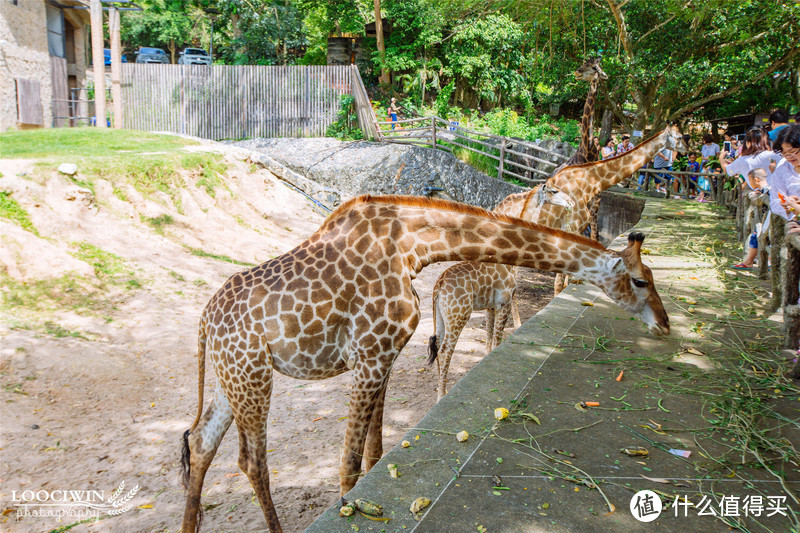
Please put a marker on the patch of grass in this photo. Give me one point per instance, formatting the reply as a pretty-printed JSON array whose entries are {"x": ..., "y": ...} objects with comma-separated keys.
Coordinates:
[
  {"x": 70, "y": 292},
  {"x": 177, "y": 276},
  {"x": 210, "y": 166},
  {"x": 58, "y": 331},
  {"x": 158, "y": 223},
  {"x": 108, "y": 267},
  {"x": 148, "y": 161},
  {"x": 11, "y": 210},
  {"x": 57, "y": 143},
  {"x": 119, "y": 193},
  {"x": 202, "y": 253}
]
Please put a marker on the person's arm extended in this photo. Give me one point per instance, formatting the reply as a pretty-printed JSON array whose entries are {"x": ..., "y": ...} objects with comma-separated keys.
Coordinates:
[{"x": 746, "y": 163}]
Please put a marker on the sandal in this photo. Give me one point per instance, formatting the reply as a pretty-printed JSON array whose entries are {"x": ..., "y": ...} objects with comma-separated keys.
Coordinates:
[{"x": 741, "y": 266}]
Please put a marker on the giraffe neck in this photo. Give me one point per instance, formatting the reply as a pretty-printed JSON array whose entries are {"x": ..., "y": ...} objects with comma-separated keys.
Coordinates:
[
  {"x": 463, "y": 233},
  {"x": 587, "y": 121},
  {"x": 603, "y": 174}
]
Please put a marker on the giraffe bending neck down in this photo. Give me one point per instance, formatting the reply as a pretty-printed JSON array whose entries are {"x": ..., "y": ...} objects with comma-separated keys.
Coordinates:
[{"x": 343, "y": 300}]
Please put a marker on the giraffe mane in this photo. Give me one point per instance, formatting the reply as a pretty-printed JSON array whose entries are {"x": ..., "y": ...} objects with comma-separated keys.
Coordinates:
[{"x": 447, "y": 205}]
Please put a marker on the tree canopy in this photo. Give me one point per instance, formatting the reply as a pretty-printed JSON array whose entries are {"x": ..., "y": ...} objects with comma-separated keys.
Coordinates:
[{"x": 666, "y": 60}]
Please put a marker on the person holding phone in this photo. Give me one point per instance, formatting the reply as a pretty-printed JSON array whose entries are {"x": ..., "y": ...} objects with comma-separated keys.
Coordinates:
[{"x": 783, "y": 178}]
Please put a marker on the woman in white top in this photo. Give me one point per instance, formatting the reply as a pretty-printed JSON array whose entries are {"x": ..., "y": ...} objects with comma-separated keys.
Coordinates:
[
  {"x": 608, "y": 149},
  {"x": 784, "y": 180},
  {"x": 755, "y": 142}
]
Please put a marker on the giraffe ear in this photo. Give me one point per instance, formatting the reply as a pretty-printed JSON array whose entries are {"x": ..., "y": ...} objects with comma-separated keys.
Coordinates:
[{"x": 619, "y": 267}]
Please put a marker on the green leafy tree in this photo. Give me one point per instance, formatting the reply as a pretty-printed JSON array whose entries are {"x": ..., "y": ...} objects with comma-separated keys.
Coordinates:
[{"x": 161, "y": 23}]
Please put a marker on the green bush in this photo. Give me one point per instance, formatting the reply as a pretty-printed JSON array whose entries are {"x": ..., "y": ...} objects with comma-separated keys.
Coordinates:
[{"x": 346, "y": 126}]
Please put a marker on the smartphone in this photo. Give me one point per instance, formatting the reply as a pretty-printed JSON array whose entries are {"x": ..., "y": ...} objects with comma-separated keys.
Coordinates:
[{"x": 726, "y": 146}]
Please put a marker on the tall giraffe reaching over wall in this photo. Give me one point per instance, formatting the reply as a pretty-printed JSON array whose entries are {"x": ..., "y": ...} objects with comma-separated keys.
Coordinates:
[
  {"x": 343, "y": 300},
  {"x": 466, "y": 287}
]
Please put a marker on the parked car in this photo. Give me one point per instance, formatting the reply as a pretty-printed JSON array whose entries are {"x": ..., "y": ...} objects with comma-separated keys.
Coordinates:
[
  {"x": 107, "y": 57},
  {"x": 194, "y": 56},
  {"x": 151, "y": 55}
]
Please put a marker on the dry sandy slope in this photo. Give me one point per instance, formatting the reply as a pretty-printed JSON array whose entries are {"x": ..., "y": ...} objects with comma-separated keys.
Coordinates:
[{"x": 92, "y": 411}]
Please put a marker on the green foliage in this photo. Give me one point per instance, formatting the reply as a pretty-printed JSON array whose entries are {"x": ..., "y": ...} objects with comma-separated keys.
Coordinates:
[
  {"x": 11, "y": 210},
  {"x": 108, "y": 267},
  {"x": 158, "y": 223},
  {"x": 443, "y": 100},
  {"x": 203, "y": 253},
  {"x": 345, "y": 127}
]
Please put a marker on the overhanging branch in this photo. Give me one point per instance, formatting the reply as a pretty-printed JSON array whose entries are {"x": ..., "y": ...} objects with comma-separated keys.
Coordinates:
[{"x": 793, "y": 51}]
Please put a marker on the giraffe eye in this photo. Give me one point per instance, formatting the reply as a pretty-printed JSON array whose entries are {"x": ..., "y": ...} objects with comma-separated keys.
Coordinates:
[{"x": 641, "y": 283}]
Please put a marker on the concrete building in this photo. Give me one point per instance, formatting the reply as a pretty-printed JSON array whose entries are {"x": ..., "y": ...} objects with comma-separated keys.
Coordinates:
[{"x": 44, "y": 51}]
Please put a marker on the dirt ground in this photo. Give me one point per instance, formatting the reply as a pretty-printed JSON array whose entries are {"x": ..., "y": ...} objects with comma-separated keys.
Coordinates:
[{"x": 92, "y": 398}]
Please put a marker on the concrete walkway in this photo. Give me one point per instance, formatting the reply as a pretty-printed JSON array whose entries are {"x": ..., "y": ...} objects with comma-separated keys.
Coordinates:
[{"x": 560, "y": 466}]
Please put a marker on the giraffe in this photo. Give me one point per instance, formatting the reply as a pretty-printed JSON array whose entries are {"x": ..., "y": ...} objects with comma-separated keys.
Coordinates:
[
  {"x": 343, "y": 300},
  {"x": 472, "y": 286},
  {"x": 587, "y": 149},
  {"x": 464, "y": 288}
]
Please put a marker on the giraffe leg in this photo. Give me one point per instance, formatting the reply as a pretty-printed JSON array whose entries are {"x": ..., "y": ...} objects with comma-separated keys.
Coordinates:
[
  {"x": 562, "y": 280},
  {"x": 490, "y": 331},
  {"x": 515, "y": 313},
  {"x": 251, "y": 419},
  {"x": 446, "y": 348},
  {"x": 374, "y": 448},
  {"x": 594, "y": 208},
  {"x": 501, "y": 318},
  {"x": 363, "y": 398},
  {"x": 200, "y": 446}
]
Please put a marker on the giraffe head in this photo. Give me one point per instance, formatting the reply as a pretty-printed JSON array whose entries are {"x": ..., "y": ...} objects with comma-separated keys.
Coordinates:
[
  {"x": 590, "y": 70},
  {"x": 674, "y": 140},
  {"x": 549, "y": 194},
  {"x": 632, "y": 287}
]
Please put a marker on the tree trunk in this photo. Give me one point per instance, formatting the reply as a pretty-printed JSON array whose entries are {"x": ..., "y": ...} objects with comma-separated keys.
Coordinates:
[
  {"x": 606, "y": 126},
  {"x": 384, "y": 78}
]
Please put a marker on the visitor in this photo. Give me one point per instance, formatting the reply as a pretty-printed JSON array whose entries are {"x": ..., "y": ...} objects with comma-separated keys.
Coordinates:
[
  {"x": 757, "y": 183},
  {"x": 778, "y": 120},
  {"x": 608, "y": 150},
  {"x": 626, "y": 145},
  {"x": 693, "y": 165},
  {"x": 393, "y": 111},
  {"x": 662, "y": 161},
  {"x": 783, "y": 178},
  {"x": 708, "y": 150}
]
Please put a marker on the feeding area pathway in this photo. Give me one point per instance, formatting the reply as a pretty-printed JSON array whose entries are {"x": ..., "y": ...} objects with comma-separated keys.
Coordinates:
[{"x": 600, "y": 410}]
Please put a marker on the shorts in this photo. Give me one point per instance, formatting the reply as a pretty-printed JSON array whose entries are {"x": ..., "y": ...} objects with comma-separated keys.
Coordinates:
[{"x": 753, "y": 240}]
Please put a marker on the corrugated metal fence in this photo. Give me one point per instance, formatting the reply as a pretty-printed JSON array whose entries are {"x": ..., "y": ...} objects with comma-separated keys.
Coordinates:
[{"x": 233, "y": 102}]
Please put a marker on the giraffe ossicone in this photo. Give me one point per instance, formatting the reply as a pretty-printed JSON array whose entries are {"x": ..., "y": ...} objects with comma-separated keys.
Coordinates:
[{"x": 345, "y": 293}]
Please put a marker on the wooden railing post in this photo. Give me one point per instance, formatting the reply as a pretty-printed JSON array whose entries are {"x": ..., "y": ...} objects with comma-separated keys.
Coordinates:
[
  {"x": 502, "y": 158},
  {"x": 433, "y": 131},
  {"x": 776, "y": 234}
]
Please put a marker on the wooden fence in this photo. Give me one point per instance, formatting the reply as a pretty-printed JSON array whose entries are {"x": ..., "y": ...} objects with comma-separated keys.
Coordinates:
[
  {"x": 513, "y": 158},
  {"x": 233, "y": 102}
]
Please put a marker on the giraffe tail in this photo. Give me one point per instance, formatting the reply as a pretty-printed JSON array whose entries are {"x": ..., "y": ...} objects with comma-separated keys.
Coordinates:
[
  {"x": 186, "y": 453},
  {"x": 433, "y": 345},
  {"x": 433, "y": 350}
]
